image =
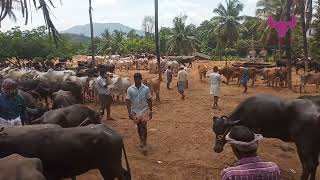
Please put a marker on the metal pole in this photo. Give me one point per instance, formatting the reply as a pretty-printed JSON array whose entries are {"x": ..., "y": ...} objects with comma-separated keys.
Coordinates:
[
  {"x": 91, "y": 29},
  {"x": 157, "y": 39}
]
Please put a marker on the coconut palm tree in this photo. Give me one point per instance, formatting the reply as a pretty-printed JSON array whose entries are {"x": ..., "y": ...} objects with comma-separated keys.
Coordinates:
[
  {"x": 227, "y": 22},
  {"x": 116, "y": 39},
  {"x": 182, "y": 40},
  {"x": 24, "y": 6}
]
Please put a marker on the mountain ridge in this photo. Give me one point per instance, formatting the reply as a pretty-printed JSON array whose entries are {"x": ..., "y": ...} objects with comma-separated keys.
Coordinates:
[{"x": 99, "y": 28}]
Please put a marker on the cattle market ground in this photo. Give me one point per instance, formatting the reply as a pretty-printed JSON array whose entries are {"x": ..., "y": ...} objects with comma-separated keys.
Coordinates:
[{"x": 181, "y": 138}]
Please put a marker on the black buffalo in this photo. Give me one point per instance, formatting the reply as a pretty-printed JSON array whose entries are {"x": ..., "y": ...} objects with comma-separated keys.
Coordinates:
[
  {"x": 63, "y": 99},
  {"x": 72, "y": 116},
  {"x": 295, "y": 121},
  {"x": 38, "y": 89},
  {"x": 183, "y": 61},
  {"x": 70, "y": 152},
  {"x": 35, "y": 108},
  {"x": 74, "y": 88},
  {"x": 107, "y": 67}
]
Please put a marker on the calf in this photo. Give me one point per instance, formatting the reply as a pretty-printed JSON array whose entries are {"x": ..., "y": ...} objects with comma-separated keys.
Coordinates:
[
  {"x": 310, "y": 79},
  {"x": 15, "y": 167},
  {"x": 70, "y": 152},
  {"x": 154, "y": 86},
  {"x": 202, "y": 70},
  {"x": 72, "y": 116}
]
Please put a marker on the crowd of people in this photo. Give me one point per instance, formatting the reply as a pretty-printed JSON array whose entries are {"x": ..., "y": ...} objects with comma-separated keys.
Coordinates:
[{"x": 243, "y": 141}]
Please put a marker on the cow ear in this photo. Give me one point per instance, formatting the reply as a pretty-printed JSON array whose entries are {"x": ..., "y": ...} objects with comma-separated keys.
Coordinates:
[
  {"x": 215, "y": 118},
  {"x": 232, "y": 123}
]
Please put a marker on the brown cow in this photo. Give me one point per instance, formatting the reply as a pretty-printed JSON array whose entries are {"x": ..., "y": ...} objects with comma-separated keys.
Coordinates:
[
  {"x": 310, "y": 79},
  {"x": 275, "y": 75},
  {"x": 229, "y": 72},
  {"x": 154, "y": 85},
  {"x": 15, "y": 167},
  {"x": 202, "y": 72}
]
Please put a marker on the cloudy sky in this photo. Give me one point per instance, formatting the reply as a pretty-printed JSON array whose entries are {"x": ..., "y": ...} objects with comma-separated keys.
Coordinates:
[{"x": 127, "y": 12}]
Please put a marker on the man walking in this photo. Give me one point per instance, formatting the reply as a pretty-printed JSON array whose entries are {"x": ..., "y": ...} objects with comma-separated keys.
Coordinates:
[
  {"x": 169, "y": 76},
  {"x": 215, "y": 79},
  {"x": 104, "y": 95},
  {"x": 139, "y": 105},
  {"x": 182, "y": 82},
  {"x": 13, "y": 111},
  {"x": 245, "y": 78},
  {"x": 244, "y": 144}
]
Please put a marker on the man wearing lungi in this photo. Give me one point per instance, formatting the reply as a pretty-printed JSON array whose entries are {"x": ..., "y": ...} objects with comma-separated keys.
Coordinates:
[
  {"x": 245, "y": 78},
  {"x": 182, "y": 81},
  {"x": 139, "y": 105},
  {"x": 215, "y": 79},
  {"x": 12, "y": 106}
]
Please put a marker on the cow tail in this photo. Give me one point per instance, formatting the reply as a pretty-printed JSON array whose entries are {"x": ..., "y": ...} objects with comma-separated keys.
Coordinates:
[{"x": 126, "y": 158}]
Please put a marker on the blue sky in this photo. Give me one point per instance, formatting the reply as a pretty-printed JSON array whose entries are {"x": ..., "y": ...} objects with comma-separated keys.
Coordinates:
[{"x": 127, "y": 12}]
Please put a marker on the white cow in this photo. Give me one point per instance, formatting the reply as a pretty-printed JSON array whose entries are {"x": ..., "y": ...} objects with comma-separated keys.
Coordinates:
[
  {"x": 119, "y": 86},
  {"x": 15, "y": 74},
  {"x": 174, "y": 66},
  {"x": 79, "y": 80},
  {"x": 55, "y": 76}
]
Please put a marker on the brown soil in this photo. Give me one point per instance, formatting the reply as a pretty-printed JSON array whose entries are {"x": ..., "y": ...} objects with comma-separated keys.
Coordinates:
[{"x": 181, "y": 137}]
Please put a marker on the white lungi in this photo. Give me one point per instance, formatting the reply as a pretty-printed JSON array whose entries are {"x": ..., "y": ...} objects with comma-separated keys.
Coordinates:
[
  {"x": 215, "y": 90},
  {"x": 12, "y": 122}
]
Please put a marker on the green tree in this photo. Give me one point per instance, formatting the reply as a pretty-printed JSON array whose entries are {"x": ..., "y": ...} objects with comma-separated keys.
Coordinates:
[
  {"x": 227, "y": 22},
  {"x": 183, "y": 40},
  {"x": 116, "y": 39},
  {"x": 25, "y": 7}
]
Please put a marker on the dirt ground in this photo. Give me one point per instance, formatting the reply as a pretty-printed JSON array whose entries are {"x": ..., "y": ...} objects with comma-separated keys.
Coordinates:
[{"x": 180, "y": 135}]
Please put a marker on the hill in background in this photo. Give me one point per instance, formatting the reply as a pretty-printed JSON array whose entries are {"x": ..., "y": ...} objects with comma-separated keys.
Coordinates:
[{"x": 99, "y": 28}]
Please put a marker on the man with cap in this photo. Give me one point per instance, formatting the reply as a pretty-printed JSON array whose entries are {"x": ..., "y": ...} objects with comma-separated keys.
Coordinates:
[
  {"x": 104, "y": 96},
  {"x": 244, "y": 145},
  {"x": 139, "y": 105},
  {"x": 182, "y": 81},
  {"x": 12, "y": 106}
]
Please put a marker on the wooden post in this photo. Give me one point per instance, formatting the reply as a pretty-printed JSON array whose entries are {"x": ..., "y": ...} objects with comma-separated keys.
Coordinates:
[
  {"x": 288, "y": 43},
  {"x": 157, "y": 39},
  {"x": 91, "y": 30}
]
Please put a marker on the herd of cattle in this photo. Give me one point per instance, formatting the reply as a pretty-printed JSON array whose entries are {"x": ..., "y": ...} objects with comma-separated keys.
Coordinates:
[
  {"x": 271, "y": 76},
  {"x": 80, "y": 147},
  {"x": 76, "y": 142}
]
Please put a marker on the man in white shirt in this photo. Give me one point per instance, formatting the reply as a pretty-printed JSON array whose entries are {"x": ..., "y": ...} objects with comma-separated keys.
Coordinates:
[
  {"x": 104, "y": 96},
  {"x": 215, "y": 79},
  {"x": 139, "y": 105},
  {"x": 182, "y": 81}
]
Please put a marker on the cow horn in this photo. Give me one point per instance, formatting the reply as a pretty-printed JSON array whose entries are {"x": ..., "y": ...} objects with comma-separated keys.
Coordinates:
[
  {"x": 232, "y": 123},
  {"x": 224, "y": 117}
]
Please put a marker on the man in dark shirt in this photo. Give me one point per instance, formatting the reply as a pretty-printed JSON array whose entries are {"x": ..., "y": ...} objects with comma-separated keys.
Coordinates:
[
  {"x": 12, "y": 106},
  {"x": 169, "y": 76}
]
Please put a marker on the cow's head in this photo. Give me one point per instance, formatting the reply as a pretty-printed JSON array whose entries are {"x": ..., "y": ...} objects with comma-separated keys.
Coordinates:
[{"x": 221, "y": 127}]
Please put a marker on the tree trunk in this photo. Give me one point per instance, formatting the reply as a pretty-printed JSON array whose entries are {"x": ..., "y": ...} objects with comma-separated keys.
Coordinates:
[
  {"x": 309, "y": 14},
  {"x": 157, "y": 39},
  {"x": 304, "y": 33},
  {"x": 288, "y": 42},
  {"x": 91, "y": 30}
]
